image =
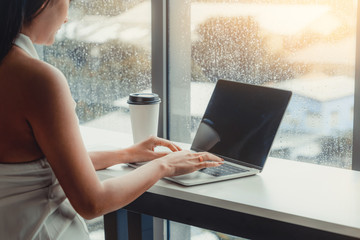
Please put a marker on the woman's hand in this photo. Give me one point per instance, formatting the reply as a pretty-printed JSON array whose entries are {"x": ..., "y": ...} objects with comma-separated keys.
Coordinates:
[
  {"x": 144, "y": 151},
  {"x": 183, "y": 162}
]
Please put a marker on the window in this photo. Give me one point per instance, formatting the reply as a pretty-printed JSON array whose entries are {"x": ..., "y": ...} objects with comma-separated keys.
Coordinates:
[
  {"x": 180, "y": 231},
  {"x": 105, "y": 53},
  {"x": 271, "y": 43},
  {"x": 313, "y": 121},
  {"x": 334, "y": 119}
]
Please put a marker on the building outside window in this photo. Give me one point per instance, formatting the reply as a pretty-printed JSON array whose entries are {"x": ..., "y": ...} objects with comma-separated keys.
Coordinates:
[{"x": 306, "y": 46}]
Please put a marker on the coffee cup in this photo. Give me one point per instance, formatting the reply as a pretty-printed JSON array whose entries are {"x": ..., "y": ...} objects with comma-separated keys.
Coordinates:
[{"x": 144, "y": 115}]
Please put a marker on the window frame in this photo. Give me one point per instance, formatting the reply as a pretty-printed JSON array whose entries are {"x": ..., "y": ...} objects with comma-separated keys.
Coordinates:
[
  {"x": 159, "y": 62},
  {"x": 356, "y": 128}
]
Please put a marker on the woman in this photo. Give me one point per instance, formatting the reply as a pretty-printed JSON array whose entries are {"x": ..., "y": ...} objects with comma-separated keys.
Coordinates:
[{"x": 44, "y": 165}]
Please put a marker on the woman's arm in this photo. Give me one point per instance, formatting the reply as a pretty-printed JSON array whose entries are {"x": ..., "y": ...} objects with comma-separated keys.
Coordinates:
[
  {"x": 50, "y": 113},
  {"x": 141, "y": 152}
]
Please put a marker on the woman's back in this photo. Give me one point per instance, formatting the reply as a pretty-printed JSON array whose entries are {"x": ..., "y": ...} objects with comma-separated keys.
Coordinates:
[
  {"x": 29, "y": 190},
  {"x": 17, "y": 142}
]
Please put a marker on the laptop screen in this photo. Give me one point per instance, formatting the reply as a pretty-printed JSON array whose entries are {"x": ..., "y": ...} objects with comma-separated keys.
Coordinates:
[{"x": 241, "y": 121}]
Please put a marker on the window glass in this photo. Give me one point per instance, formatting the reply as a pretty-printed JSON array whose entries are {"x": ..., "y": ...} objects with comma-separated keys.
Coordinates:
[
  {"x": 179, "y": 231},
  {"x": 306, "y": 46},
  {"x": 105, "y": 53}
]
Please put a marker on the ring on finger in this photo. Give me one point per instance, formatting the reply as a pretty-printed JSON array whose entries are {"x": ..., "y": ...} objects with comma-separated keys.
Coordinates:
[{"x": 201, "y": 159}]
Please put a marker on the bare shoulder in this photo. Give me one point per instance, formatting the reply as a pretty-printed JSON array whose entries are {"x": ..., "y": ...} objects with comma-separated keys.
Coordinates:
[
  {"x": 32, "y": 81},
  {"x": 43, "y": 75},
  {"x": 37, "y": 75},
  {"x": 26, "y": 71},
  {"x": 46, "y": 78}
]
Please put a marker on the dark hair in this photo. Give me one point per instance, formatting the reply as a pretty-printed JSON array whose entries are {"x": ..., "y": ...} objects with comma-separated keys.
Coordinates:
[{"x": 13, "y": 14}]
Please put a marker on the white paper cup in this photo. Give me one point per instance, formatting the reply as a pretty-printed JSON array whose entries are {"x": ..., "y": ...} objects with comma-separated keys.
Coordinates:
[{"x": 144, "y": 115}]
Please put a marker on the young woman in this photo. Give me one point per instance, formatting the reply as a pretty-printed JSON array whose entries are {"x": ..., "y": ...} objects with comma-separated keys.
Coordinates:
[{"x": 45, "y": 171}]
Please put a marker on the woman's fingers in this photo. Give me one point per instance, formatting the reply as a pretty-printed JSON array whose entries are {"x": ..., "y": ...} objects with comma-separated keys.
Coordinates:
[
  {"x": 208, "y": 160},
  {"x": 205, "y": 157},
  {"x": 166, "y": 143},
  {"x": 183, "y": 162},
  {"x": 209, "y": 164},
  {"x": 177, "y": 147}
]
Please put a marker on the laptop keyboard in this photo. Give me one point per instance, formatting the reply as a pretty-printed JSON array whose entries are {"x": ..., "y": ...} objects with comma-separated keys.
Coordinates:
[{"x": 223, "y": 170}]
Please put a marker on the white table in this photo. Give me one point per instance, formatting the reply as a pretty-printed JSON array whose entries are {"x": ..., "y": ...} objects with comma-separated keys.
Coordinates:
[{"x": 288, "y": 200}]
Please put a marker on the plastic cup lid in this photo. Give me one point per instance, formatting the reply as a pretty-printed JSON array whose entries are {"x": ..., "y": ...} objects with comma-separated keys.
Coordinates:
[{"x": 143, "y": 98}]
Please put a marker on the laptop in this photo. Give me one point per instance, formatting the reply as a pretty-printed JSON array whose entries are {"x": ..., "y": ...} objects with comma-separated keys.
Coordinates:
[{"x": 239, "y": 125}]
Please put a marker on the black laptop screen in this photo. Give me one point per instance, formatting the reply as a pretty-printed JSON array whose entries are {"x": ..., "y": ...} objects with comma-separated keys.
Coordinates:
[{"x": 241, "y": 121}]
